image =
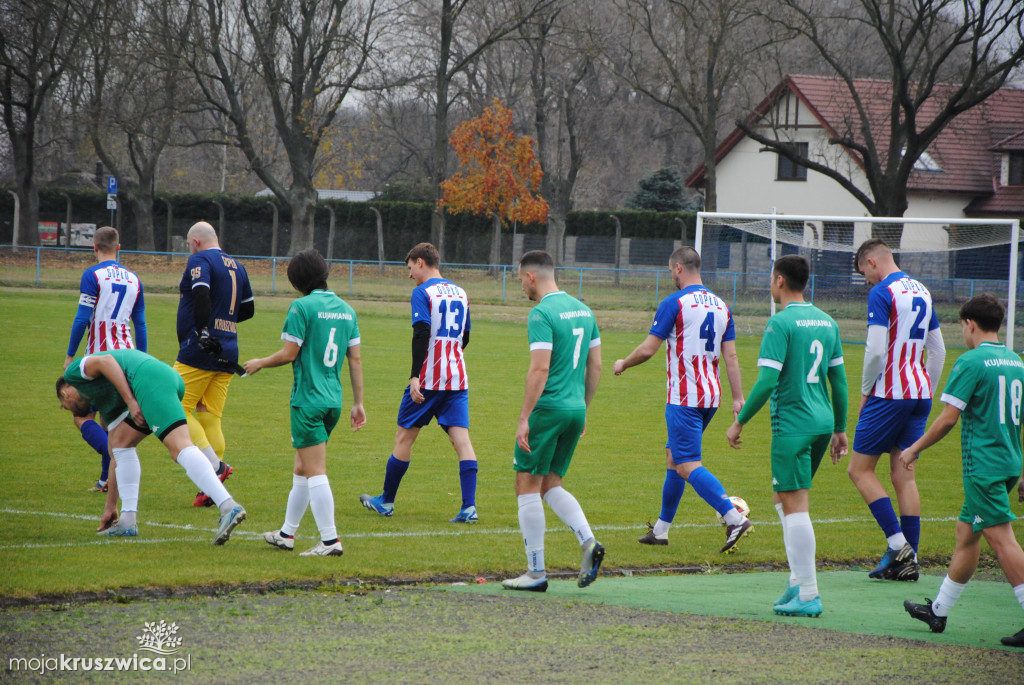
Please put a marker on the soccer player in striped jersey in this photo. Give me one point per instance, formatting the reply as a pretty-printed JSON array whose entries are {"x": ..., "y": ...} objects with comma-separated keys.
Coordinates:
[
  {"x": 565, "y": 368},
  {"x": 437, "y": 385},
  {"x": 320, "y": 331},
  {"x": 985, "y": 386},
  {"x": 110, "y": 297},
  {"x": 800, "y": 351},
  {"x": 215, "y": 297},
  {"x": 896, "y": 398},
  {"x": 697, "y": 328}
]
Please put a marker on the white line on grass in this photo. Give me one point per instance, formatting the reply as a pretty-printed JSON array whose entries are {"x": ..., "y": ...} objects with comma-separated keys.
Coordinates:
[{"x": 467, "y": 530}]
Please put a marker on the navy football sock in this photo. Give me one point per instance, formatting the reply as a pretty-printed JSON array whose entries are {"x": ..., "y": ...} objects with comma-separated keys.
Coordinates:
[
  {"x": 467, "y": 479},
  {"x": 671, "y": 493},
  {"x": 396, "y": 468}
]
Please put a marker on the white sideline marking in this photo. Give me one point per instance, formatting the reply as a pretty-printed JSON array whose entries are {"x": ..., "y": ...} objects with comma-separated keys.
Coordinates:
[{"x": 464, "y": 530}]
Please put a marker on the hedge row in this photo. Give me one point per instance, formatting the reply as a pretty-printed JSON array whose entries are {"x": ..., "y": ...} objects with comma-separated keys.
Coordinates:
[{"x": 248, "y": 221}]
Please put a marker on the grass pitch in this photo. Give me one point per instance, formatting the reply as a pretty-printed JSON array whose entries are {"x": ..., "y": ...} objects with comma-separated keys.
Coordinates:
[{"x": 48, "y": 520}]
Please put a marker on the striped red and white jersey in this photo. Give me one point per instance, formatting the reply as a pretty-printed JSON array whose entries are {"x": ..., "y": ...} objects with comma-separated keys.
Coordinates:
[
  {"x": 693, "y": 322},
  {"x": 114, "y": 294},
  {"x": 904, "y": 306},
  {"x": 445, "y": 306}
]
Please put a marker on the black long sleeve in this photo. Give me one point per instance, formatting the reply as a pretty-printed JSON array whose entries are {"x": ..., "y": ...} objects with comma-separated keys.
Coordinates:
[{"x": 420, "y": 346}]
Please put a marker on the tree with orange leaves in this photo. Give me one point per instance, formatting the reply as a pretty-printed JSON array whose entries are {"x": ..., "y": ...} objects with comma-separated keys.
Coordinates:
[{"x": 498, "y": 176}]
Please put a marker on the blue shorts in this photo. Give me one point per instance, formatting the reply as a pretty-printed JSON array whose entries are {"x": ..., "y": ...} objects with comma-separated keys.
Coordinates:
[
  {"x": 685, "y": 429},
  {"x": 887, "y": 424},
  {"x": 449, "y": 407}
]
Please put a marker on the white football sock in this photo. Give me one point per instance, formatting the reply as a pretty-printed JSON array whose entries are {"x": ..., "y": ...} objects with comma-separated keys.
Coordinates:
[
  {"x": 129, "y": 475},
  {"x": 531, "y": 525},
  {"x": 199, "y": 471},
  {"x": 321, "y": 501},
  {"x": 896, "y": 541},
  {"x": 661, "y": 528},
  {"x": 212, "y": 457},
  {"x": 298, "y": 500},
  {"x": 782, "y": 519},
  {"x": 1019, "y": 591},
  {"x": 800, "y": 548},
  {"x": 949, "y": 593},
  {"x": 569, "y": 510}
]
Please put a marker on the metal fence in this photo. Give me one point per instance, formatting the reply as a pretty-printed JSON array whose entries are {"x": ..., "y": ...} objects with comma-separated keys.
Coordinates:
[{"x": 600, "y": 288}]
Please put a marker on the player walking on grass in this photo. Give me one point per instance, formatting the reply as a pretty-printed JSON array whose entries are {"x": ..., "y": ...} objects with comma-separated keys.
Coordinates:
[
  {"x": 437, "y": 386},
  {"x": 895, "y": 401},
  {"x": 110, "y": 296},
  {"x": 215, "y": 297},
  {"x": 800, "y": 348},
  {"x": 565, "y": 368},
  {"x": 697, "y": 329},
  {"x": 137, "y": 395},
  {"x": 985, "y": 386},
  {"x": 317, "y": 326}
]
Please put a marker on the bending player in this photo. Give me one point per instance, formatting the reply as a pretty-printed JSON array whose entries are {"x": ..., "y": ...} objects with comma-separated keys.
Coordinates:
[
  {"x": 437, "y": 386},
  {"x": 110, "y": 296},
  {"x": 317, "y": 325},
  {"x": 697, "y": 329},
  {"x": 895, "y": 401},
  {"x": 985, "y": 386},
  {"x": 799, "y": 350},
  {"x": 137, "y": 395}
]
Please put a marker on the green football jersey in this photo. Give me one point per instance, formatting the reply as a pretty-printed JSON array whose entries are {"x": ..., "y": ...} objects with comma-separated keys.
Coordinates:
[
  {"x": 567, "y": 327},
  {"x": 802, "y": 343},
  {"x": 987, "y": 384},
  {"x": 100, "y": 392},
  {"x": 324, "y": 327}
]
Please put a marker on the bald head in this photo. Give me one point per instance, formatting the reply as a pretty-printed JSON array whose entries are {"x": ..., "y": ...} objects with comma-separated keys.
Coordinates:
[{"x": 202, "y": 237}]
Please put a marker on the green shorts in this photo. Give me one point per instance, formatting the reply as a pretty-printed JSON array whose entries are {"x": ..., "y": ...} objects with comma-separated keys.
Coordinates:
[
  {"x": 313, "y": 425},
  {"x": 795, "y": 460},
  {"x": 987, "y": 501},
  {"x": 553, "y": 437},
  {"x": 159, "y": 394}
]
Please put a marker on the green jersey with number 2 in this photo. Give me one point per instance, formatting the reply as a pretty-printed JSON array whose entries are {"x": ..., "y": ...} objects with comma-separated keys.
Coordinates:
[
  {"x": 802, "y": 342},
  {"x": 567, "y": 327}
]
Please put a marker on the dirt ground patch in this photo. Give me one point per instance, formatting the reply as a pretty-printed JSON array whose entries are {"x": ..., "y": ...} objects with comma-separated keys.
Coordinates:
[{"x": 417, "y": 635}]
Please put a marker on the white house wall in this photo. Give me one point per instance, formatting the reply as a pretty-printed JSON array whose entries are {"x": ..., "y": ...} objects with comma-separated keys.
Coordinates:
[{"x": 747, "y": 184}]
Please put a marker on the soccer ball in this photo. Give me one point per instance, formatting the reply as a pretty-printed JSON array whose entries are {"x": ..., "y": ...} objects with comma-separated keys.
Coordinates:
[{"x": 741, "y": 506}]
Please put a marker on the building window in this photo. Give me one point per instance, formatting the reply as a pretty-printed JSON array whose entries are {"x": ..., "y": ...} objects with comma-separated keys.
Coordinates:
[
  {"x": 788, "y": 170},
  {"x": 1016, "y": 171}
]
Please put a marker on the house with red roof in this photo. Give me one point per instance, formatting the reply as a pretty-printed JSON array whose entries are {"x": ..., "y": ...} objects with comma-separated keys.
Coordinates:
[{"x": 973, "y": 169}]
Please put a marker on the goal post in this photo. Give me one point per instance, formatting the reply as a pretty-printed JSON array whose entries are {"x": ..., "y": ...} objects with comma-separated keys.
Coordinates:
[{"x": 954, "y": 258}]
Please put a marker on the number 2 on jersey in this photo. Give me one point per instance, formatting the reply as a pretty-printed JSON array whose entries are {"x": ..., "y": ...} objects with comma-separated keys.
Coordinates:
[
  {"x": 919, "y": 305},
  {"x": 818, "y": 350}
]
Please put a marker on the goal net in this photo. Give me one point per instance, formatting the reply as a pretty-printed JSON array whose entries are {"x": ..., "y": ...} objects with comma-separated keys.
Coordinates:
[{"x": 954, "y": 258}]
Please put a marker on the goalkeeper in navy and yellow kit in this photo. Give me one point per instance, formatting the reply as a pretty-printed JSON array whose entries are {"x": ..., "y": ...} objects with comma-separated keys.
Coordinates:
[{"x": 215, "y": 296}]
